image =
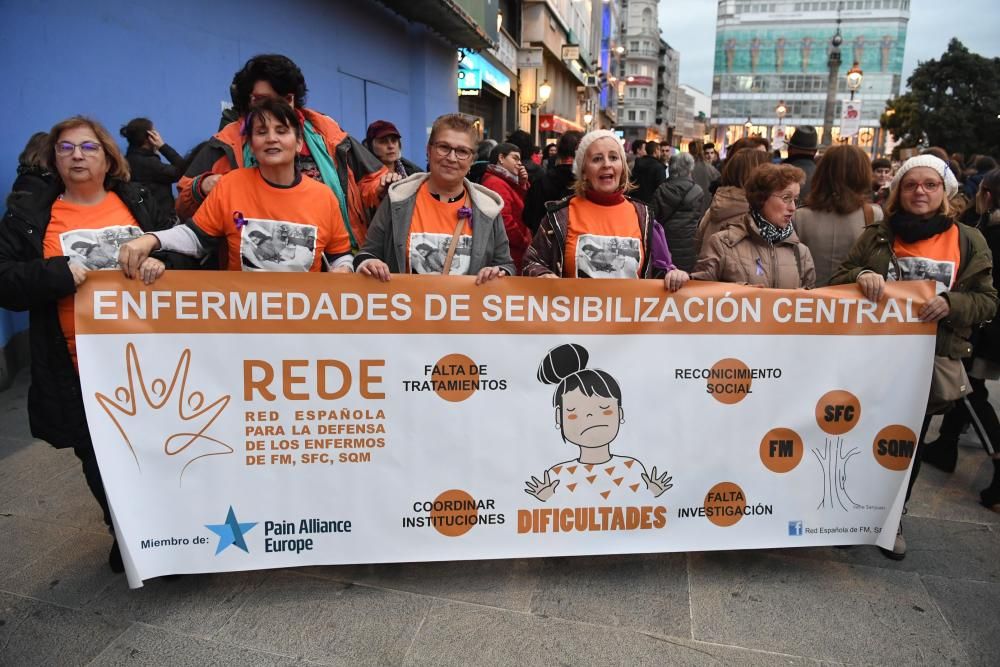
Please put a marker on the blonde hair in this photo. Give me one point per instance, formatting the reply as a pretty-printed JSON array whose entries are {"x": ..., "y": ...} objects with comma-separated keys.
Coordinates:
[
  {"x": 117, "y": 165},
  {"x": 892, "y": 205},
  {"x": 624, "y": 184}
]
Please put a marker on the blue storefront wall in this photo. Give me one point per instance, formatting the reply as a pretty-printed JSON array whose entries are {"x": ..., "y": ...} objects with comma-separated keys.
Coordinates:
[{"x": 173, "y": 62}]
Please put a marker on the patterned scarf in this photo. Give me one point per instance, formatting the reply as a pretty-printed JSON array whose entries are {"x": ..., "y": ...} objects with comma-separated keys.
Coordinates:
[
  {"x": 770, "y": 233},
  {"x": 504, "y": 173}
]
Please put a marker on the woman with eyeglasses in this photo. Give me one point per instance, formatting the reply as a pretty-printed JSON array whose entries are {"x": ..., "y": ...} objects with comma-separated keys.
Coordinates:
[
  {"x": 920, "y": 240},
  {"x": 49, "y": 241},
  {"x": 761, "y": 248},
  {"x": 440, "y": 218}
]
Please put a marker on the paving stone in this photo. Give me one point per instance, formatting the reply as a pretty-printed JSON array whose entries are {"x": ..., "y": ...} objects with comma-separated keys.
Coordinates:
[
  {"x": 495, "y": 583},
  {"x": 13, "y": 409},
  {"x": 38, "y": 633},
  {"x": 327, "y": 621},
  {"x": 646, "y": 592},
  {"x": 26, "y": 465},
  {"x": 972, "y": 609},
  {"x": 462, "y": 634},
  {"x": 144, "y": 645},
  {"x": 197, "y": 604},
  {"x": 821, "y": 609},
  {"x": 955, "y": 496},
  {"x": 23, "y": 541},
  {"x": 65, "y": 499}
]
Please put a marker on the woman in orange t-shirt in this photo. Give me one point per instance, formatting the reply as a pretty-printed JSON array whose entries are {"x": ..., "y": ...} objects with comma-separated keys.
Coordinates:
[
  {"x": 270, "y": 216},
  {"x": 599, "y": 232},
  {"x": 49, "y": 241}
]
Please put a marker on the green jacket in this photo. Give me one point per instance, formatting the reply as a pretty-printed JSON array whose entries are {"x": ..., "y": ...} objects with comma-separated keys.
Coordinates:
[{"x": 972, "y": 300}]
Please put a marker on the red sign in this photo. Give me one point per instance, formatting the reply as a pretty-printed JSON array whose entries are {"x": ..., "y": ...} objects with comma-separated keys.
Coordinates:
[
  {"x": 546, "y": 122},
  {"x": 549, "y": 122}
]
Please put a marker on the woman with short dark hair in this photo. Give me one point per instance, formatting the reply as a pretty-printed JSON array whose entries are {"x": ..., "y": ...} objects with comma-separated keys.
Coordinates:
[
  {"x": 145, "y": 146},
  {"x": 507, "y": 176}
]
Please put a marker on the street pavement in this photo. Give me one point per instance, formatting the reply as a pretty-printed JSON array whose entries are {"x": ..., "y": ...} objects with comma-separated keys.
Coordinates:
[{"x": 61, "y": 605}]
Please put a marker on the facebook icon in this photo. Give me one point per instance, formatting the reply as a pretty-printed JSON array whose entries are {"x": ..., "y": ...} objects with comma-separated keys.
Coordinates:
[{"x": 795, "y": 528}]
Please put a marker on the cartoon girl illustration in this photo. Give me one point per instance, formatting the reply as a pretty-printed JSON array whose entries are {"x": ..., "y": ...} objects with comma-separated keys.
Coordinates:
[{"x": 589, "y": 414}]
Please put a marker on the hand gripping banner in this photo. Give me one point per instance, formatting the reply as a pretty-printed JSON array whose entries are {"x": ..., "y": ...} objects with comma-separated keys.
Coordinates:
[{"x": 246, "y": 421}]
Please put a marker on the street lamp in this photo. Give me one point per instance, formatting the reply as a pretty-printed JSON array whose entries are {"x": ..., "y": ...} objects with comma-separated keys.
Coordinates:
[
  {"x": 831, "y": 84},
  {"x": 588, "y": 118},
  {"x": 780, "y": 111},
  {"x": 854, "y": 78},
  {"x": 544, "y": 92},
  {"x": 541, "y": 97},
  {"x": 747, "y": 126}
]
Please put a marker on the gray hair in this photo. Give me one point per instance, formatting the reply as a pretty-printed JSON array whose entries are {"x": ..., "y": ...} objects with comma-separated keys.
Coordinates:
[{"x": 681, "y": 165}]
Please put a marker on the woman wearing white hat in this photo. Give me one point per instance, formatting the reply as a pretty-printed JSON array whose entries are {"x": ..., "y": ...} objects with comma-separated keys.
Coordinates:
[
  {"x": 599, "y": 232},
  {"x": 920, "y": 240}
]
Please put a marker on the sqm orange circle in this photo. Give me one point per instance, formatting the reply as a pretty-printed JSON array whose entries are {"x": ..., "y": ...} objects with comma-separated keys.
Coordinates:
[
  {"x": 781, "y": 450},
  {"x": 456, "y": 369},
  {"x": 730, "y": 381},
  {"x": 838, "y": 411},
  {"x": 457, "y": 508},
  {"x": 725, "y": 504},
  {"x": 894, "y": 447}
]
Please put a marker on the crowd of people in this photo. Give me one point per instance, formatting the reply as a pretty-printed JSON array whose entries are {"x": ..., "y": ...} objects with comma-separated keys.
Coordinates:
[{"x": 282, "y": 187}]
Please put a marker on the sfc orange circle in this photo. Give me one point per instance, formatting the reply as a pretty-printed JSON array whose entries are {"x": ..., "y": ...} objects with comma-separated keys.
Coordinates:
[
  {"x": 730, "y": 381},
  {"x": 838, "y": 411},
  {"x": 458, "y": 370},
  {"x": 781, "y": 450},
  {"x": 725, "y": 504},
  {"x": 454, "y": 513},
  {"x": 894, "y": 447}
]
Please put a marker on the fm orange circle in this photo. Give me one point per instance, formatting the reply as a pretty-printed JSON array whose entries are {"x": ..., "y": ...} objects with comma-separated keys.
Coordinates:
[
  {"x": 454, "y": 513},
  {"x": 894, "y": 447},
  {"x": 781, "y": 450},
  {"x": 838, "y": 411},
  {"x": 457, "y": 370},
  {"x": 725, "y": 504},
  {"x": 730, "y": 381}
]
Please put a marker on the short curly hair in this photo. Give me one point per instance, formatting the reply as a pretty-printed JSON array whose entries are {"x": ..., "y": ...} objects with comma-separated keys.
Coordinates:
[
  {"x": 769, "y": 178},
  {"x": 284, "y": 76}
]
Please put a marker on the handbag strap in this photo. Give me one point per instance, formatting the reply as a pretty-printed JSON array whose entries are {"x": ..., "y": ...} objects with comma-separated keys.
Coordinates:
[
  {"x": 453, "y": 247},
  {"x": 869, "y": 214}
]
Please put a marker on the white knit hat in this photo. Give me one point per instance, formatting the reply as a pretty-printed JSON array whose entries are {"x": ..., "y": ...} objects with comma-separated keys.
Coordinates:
[
  {"x": 932, "y": 162},
  {"x": 585, "y": 142}
]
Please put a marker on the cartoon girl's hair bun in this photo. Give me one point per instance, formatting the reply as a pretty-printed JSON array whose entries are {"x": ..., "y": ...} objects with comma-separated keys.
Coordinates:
[{"x": 561, "y": 362}]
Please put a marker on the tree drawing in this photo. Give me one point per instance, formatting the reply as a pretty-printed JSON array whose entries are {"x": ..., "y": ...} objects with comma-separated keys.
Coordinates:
[{"x": 833, "y": 460}]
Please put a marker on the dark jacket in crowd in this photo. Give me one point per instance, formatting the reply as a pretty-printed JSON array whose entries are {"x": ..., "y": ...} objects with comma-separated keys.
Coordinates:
[
  {"x": 32, "y": 178},
  {"x": 30, "y": 282},
  {"x": 677, "y": 206},
  {"x": 555, "y": 184},
  {"x": 706, "y": 177},
  {"x": 806, "y": 164},
  {"x": 647, "y": 174},
  {"x": 149, "y": 170},
  {"x": 987, "y": 339}
]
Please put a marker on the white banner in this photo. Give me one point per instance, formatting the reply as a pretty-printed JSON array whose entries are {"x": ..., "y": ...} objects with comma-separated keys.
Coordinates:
[
  {"x": 255, "y": 421},
  {"x": 850, "y": 118}
]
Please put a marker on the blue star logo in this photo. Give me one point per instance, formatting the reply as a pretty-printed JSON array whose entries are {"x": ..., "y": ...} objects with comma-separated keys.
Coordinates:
[{"x": 231, "y": 532}]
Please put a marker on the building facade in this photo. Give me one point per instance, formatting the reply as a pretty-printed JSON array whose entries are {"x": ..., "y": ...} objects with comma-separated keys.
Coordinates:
[
  {"x": 667, "y": 92},
  {"x": 639, "y": 70},
  {"x": 771, "y": 52}
]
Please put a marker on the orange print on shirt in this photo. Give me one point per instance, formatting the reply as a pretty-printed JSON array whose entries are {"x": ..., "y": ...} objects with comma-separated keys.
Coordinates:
[
  {"x": 602, "y": 241},
  {"x": 936, "y": 258},
  {"x": 431, "y": 229}
]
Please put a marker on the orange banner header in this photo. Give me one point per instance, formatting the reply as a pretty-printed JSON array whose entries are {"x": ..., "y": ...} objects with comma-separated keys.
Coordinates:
[{"x": 223, "y": 302}]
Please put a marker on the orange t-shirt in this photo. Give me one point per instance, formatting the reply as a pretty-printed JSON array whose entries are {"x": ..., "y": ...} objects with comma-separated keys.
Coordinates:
[
  {"x": 271, "y": 228},
  {"x": 602, "y": 241},
  {"x": 91, "y": 236},
  {"x": 936, "y": 258},
  {"x": 431, "y": 229}
]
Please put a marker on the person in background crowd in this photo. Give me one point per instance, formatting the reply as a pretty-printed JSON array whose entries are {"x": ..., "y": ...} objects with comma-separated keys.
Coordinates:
[
  {"x": 666, "y": 152},
  {"x": 802, "y": 149},
  {"x": 837, "y": 208},
  {"x": 881, "y": 178},
  {"x": 328, "y": 154},
  {"x": 648, "y": 173},
  {"x": 776, "y": 157},
  {"x": 729, "y": 204},
  {"x": 753, "y": 143},
  {"x": 703, "y": 173},
  {"x": 920, "y": 232},
  {"x": 90, "y": 202},
  {"x": 507, "y": 177},
  {"x": 983, "y": 165},
  {"x": 33, "y": 172},
  {"x": 676, "y": 205},
  {"x": 526, "y": 147},
  {"x": 982, "y": 366},
  {"x": 272, "y": 217},
  {"x": 483, "y": 151},
  {"x": 385, "y": 143},
  {"x": 549, "y": 156},
  {"x": 762, "y": 248},
  {"x": 712, "y": 156},
  {"x": 555, "y": 183},
  {"x": 145, "y": 146},
  {"x": 599, "y": 232},
  {"x": 440, "y": 222},
  {"x": 638, "y": 150}
]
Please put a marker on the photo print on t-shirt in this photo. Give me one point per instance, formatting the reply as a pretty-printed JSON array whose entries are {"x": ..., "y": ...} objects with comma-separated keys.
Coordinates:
[
  {"x": 274, "y": 245},
  {"x": 97, "y": 249},
  {"x": 924, "y": 268},
  {"x": 428, "y": 252},
  {"x": 607, "y": 256}
]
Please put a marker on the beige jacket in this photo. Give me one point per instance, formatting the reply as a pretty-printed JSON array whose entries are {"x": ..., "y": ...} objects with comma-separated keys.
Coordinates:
[
  {"x": 728, "y": 206},
  {"x": 738, "y": 254},
  {"x": 830, "y": 236}
]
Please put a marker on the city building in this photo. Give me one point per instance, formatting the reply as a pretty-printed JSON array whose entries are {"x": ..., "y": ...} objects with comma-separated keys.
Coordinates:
[
  {"x": 488, "y": 80},
  {"x": 667, "y": 92},
  {"x": 768, "y": 53},
  {"x": 693, "y": 117},
  {"x": 639, "y": 71}
]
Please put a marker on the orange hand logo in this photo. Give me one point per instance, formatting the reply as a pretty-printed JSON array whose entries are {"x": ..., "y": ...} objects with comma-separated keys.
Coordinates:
[{"x": 166, "y": 411}]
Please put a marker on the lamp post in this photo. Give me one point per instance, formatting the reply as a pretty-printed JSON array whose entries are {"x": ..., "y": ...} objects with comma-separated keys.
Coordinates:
[
  {"x": 747, "y": 126},
  {"x": 831, "y": 85},
  {"x": 588, "y": 118},
  {"x": 854, "y": 78},
  {"x": 780, "y": 112},
  {"x": 544, "y": 92}
]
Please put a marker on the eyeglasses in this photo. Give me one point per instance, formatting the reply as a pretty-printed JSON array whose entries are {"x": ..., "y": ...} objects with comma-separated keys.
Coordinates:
[
  {"x": 787, "y": 200},
  {"x": 442, "y": 149},
  {"x": 928, "y": 186},
  {"x": 88, "y": 148}
]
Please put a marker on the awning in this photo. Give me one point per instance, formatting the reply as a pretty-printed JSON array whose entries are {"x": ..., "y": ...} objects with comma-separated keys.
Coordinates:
[
  {"x": 447, "y": 18},
  {"x": 549, "y": 122}
]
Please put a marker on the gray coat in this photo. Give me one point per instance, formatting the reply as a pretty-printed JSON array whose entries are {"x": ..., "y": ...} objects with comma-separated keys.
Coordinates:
[{"x": 390, "y": 228}]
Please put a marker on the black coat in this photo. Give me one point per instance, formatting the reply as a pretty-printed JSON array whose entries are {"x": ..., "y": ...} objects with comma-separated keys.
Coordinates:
[
  {"x": 555, "y": 184},
  {"x": 647, "y": 174},
  {"x": 158, "y": 177},
  {"x": 30, "y": 282},
  {"x": 986, "y": 341},
  {"x": 677, "y": 205},
  {"x": 806, "y": 164},
  {"x": 32, "y": 179}
]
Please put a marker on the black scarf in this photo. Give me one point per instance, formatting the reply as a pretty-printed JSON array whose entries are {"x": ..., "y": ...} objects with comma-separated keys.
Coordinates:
[
  {"x": 910, "y": 228},
  {"x": 770, "y": 232}
]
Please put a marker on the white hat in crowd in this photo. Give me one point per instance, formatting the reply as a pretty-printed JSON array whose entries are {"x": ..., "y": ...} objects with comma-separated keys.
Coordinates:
[
  {"x": 935, "y": 163},
  {"x": 585, "y": 142}
]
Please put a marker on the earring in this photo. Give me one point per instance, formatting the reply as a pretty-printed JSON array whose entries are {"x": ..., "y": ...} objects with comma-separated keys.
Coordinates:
[
  {"x": 558, "y": 426},
  {"x": 621, "y": 421}
]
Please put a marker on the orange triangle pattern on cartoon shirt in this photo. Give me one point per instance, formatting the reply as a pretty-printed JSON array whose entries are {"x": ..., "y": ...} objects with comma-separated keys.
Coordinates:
[
  {"x": 634, "y": 487},
  {"x": 557, "y": 469},
  {"x": 571, "y": 487},
  {"x": 591, "y": 478}
]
